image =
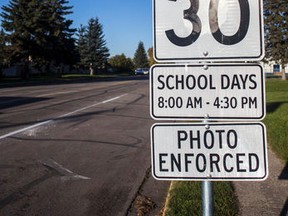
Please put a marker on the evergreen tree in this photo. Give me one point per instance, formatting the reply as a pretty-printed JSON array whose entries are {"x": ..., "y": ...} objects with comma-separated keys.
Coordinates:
[
  {"x": 2, "y": 47},
  {"x": 18, "y": 26},
  {"x": 60, "y": 41},
  {"x": 140, "y": 57},
  {"x": 37, "y": 30},
  {"x": 276, "y": 31},
  {"x": 92, "y": 46},
  {"x": 2, "y": 51},
  {"x": 82, "y": 46}
]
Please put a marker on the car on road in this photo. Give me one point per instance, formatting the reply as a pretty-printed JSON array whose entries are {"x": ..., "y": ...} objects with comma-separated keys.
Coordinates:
[{"x": 141, "y": 71}]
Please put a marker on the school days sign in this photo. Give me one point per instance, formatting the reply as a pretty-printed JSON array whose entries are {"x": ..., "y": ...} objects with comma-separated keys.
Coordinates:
[
  {"x": 211, "y": 91},
  {"x": 229, "y": 151}
]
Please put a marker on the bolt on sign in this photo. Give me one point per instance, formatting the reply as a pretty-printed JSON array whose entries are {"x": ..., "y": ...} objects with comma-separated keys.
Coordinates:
[
  {"x": 214, "y": 151},
  {"x": 226, "y": 30}
]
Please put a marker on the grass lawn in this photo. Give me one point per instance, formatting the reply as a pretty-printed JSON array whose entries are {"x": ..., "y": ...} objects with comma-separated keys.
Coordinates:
[
  {"x": 276, "y": 119},
  {"x": 185, "y": 198}
]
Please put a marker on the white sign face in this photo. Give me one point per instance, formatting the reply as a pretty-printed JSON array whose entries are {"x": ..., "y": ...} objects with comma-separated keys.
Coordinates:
[
  {"x": 219, "y": 92},
  {"x": 232, "y": 151},
  {"x": 187, "y": 30}
]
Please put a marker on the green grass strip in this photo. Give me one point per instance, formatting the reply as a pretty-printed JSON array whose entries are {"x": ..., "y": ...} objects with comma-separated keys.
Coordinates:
[{"x": 185, "y": 199}]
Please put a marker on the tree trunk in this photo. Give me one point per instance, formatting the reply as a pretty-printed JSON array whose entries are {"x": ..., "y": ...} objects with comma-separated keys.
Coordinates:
[
  {"x": 91, "y": 71},
  {"x": 1, "y": 73},
  {"x": 283, "y": 72},
  {"x": 25, "y": 72}
]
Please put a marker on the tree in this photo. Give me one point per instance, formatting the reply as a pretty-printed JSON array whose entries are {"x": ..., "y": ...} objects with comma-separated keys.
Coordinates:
[
  {"x": 82, "y": 46},
  {"x": 92, "y": 46},
  {"x": 140, "y": 57},
  {"x": 37, "y": 30},
  {"x": 60, "y": 41},
  {"x": 276, "y": 31},
  {"x": 16, "y": 24},
  {"x": 121, "y": 63},
  {"x": 2, "y": 51}
]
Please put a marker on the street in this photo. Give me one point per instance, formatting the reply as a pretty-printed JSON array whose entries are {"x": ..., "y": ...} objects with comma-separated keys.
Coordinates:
[{"x": 74, "y": 148}]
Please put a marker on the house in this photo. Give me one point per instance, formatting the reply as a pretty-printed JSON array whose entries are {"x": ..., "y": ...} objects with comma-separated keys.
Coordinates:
[{"x": 271, "y": 67}]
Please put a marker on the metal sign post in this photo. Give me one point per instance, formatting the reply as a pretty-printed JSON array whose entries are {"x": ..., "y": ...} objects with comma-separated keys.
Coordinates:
[
  {"x": 207, "y": 198},
  {"x": 207, "y": 194}
]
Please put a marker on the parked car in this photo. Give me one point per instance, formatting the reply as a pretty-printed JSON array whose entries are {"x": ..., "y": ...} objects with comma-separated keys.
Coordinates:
[{"x": 141, "y": 71}]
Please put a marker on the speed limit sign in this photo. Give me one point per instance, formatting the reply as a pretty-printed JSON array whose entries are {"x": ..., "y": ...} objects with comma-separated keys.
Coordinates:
[{"x": 226, "y": 30}]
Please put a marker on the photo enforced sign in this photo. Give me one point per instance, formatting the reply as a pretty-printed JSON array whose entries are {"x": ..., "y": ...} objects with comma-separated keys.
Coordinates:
[{"x": 209, "y": 151}]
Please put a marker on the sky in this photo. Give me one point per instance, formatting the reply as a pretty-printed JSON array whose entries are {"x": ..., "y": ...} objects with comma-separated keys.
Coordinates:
[{"x": 125, "y": 22}]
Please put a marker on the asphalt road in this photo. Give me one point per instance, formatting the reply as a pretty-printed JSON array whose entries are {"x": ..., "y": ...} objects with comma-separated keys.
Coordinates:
[{"x": 74, "y": 148}]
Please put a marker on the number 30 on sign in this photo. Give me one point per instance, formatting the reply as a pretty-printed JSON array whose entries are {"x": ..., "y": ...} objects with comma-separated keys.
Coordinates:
[{"x": 208, "y": 29}]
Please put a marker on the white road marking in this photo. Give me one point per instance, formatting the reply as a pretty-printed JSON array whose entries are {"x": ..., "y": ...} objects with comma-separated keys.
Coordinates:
[
  {"x": 25, "y": 129},
  {"x": 56, "y": 93},
  {"x": 64, "y": 172},
  {"x": 93, "y": 105},
  {"x": 51, "y": 120}
]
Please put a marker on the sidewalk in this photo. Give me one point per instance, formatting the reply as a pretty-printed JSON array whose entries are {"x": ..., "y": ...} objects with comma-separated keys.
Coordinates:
[{"x": 265, "y": 198}]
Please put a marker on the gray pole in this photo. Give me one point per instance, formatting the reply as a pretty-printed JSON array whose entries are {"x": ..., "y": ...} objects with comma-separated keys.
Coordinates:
[
  {"x": 207, "y": 198},
  {"x": 207, "y": 187}
]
